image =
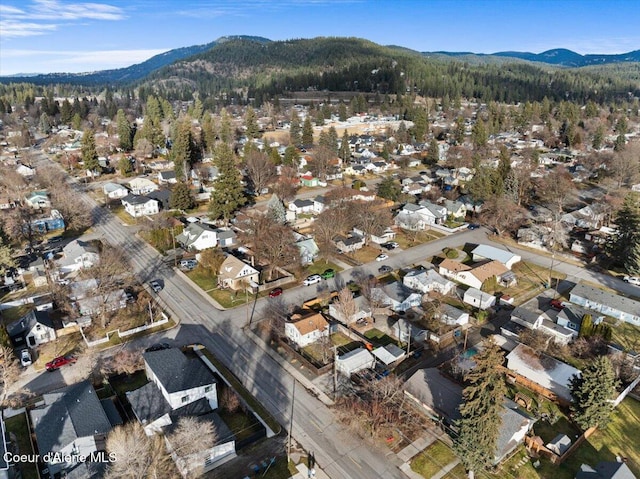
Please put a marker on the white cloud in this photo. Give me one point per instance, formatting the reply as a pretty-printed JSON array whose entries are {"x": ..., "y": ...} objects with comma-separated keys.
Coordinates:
[{"x": 44, "y": 16}]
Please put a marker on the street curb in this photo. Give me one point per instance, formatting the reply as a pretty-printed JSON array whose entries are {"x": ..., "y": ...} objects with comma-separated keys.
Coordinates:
[{"x": 200, "y": 291}]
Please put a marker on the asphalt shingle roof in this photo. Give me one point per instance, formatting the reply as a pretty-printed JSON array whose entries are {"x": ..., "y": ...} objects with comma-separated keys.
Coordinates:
[{"x": 176, "y": 372}]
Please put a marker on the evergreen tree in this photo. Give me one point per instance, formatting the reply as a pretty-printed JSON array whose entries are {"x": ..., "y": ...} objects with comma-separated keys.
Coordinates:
[
  {"x": 345, "y": 151},
  {"x": 598, "y": 138},
  {"x": 479, "y": 134},
  {"x": 482, "y": 409},
  {"x": 228, "y": 195},
  {"x": 45, "y": 124},
  {"x": 458, "y": 132},
  {"x": 342, "y": 112},
  {"x": 433, "y": 152},
  {"x": 625, "y": 247},
  {"x": 76, "y": 121},
  {"x": 208, "y": 133},
  {"x": 181, "y": 151},
  {"x": 307, "y": 133},
  {"x": 592, "y": 393},
  {"x": 620, "y": 143},
  {"x": 225, "y": 130},
  {"x": 125, "y": 166},
  {"x": 389, "y": 188},
  {"x": 66, "y": 112},
  {"x": 586, "y": 326},
  {"x": 274, "y": 156},
  {"x": 275, "y": 209},
  {"x": 251, "y": 124},
  {"x": 332, "y": 140},
  {"x": 420, "y": 124},
  {"x": 290, "y": 156},
  {"x": 295, "y": 132},
  {"x": 181, "y": 197},
  {"x": 89, "y": 154},
  {"x": 124, "y": 131}
]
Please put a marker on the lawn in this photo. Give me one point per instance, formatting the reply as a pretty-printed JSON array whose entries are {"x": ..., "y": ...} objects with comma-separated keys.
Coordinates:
[
  {"x": 365, "y": 255},
  {"x": 129, "y": 382},
  {"x": 241, "y": 424},
  {"x": 531, "y": 280},
  {"x": 125, "y": 217},
  {"x": 432, "y": 459},
  {"x": 410, "y": 239},
  {"x": 203, "y": 278},
  {"x": 340, "y": 339},
  {"x": 321, "y": 266},
  {"x": 626, "y": 335},
  {"x": 10, "y": 315},
  {"x": 378, "y": 337},
  {"x": 18, "y": 425}
]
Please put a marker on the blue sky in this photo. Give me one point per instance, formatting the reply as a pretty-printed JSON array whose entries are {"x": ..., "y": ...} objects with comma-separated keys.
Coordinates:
[{"x": 73, "y": 36}]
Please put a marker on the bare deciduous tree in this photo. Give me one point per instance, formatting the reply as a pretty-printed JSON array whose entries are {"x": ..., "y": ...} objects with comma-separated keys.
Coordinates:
[
  {"x": 9, "y": 371},
  {"x": 229, "y": 400},
  {"x": 125, "y": 362},
  {"x": 260, "y": 170},
  {"x": 345, "y": 306},
  {"x": 287, "y": 184},
  {"x": 502, "y": 214},
  {"x": 189, "y": 444}
]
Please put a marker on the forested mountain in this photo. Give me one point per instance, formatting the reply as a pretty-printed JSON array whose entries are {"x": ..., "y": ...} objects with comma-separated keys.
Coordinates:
[
  {"x": 349, "y": 64},
  {"x": 558, "y": 56},
  {"x": 128, "y": 74}
]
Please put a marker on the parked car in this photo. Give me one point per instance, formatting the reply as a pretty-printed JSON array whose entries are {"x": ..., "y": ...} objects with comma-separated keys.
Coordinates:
[
  {"x": 382, "y": 257},
  {"x": 25, "y": 358},
  {"x": 328, "y": 273},
  {"x": 635, "y": 280},
  {"x": 158, "y": 347},
  {"x": 557, "y": 304},
  {"x": 313, "y": 279},
  {"x": 473, "y": 226},
  {"x": 155, "y": 286},
  {"x": 188, "y": 264},
  {"x": 385, "y": 269},
  {"x": 274, "y": 293},
  {"x": 390, "y": 245},
  {"x": 57, "y": 363}
]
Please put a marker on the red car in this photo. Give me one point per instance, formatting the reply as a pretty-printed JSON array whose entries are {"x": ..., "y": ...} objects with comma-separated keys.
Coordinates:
[
  {"x": 557, "y": 304},
  {"x": 57, "y": 363},
  {"x": 275, "y": 292}
]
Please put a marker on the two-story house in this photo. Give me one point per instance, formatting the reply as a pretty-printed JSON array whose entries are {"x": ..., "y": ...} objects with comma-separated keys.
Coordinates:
[
  {"x": 138, "y": 206},
  {"x": 33, "y": 329},
  {"x": 303, "y": 330},
  {"x": 237, "y": 275},
  {"x": 78, "y": 255},
  {"x": 199, "y": 236}
]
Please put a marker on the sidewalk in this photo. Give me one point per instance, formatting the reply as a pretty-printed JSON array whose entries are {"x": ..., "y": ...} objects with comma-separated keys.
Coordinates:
[{"x": 303, "y": 472}]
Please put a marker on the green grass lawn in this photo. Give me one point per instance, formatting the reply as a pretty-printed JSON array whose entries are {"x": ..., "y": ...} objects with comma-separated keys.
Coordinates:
[
  {"x": 10, "y": 315},
  {"x": 203, "y": 278},
  {"x": 432, "y": 459},
  {"x": 625, "y": 335},
  {"x": 321, "y": 266},
  {"x": 18, "y": 426},
  {"x": 378, "y": 337},
  {"x": 241, "y": 424},
  {"x": 130, "y": 382}
]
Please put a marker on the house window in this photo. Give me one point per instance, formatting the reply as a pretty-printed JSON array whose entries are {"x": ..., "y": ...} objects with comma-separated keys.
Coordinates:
[
  {"x": 184, "y": 399},
  {"x": 573, "y": 326},
  {"x": 207, "y": 389}
]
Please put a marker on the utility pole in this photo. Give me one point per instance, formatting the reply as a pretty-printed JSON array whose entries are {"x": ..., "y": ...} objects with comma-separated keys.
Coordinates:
[
  {"x": 335, "y": 371},
  {"x": 175, "y": 256},
  {"x": 293, "y": 400}
]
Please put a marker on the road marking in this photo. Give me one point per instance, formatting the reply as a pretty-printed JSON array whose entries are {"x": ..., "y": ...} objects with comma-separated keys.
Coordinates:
[
  {"x": 354, "y": 461},
  {"x": 315, "y": 423}
]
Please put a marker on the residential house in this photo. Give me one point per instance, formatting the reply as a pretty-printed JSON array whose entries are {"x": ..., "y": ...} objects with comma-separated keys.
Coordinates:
[
  {"x": 476, "y": 275},
  {"x": 606, "y": 470},
  {"x": 302, "y": 206},
  {"x": 404, "y": 330},
  {"x": 355, "y": 361},
  {"x": 162, "y": 196},
  {"x": 478, "y": 298},
  {"x": 198, "y": 237},
  {"x": 571, "y": 318},
  {"x": 82, "y": 289},
  {"x": 97, "y": 304},
  {"x": 363, "y": 310},
  {"x": 614, "y": 305},
  {"x": 141, "y": 186},
  {"x": 455, "y": 209},
  {"x": 319, "y": 203},
  {"x": 418, "y": 217},
  {"x": 38, "y": 273},
  {"x": 205, "y": 173},
  {"x": 7, "y": 203},
  {"x": 138, "y": 206},
  {"x": 441, "y": 399},
  {"x": 426, "y": 281},
  {"x": 73, "y": 421},
  {"x": 549, "y": 374},
  {"x": 308, "y": 250},
  {"x": 396, "y": 296},
  {"x": 78, "y": 255},
  {"x": 309, "y": 181},
  {"x": 529, "y": 318},
  {"x": 38, "y": 200},
  {"x": 350, "y": 243},
  {"x": 175, "y": 383},
  {"x": 453, "y": 316},
  {"x": 237, "y": 275},
  {"x": 484, "y": 252},
  {"x": 167, "y": 177},
  {"x": 26, "y": 171},
  {"x": 33, "y": 329},
  {"x": 560, "y": 334},
  {"x": 303, "y": 330},
  {"x": 114, "y": 191}
]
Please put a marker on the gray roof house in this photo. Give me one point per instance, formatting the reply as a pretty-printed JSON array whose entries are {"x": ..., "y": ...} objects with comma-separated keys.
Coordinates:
[
  {"x": 354, "y": 361},
  {"x": 198, "y": 236},
  {"x": 33, "y": 329},
  {"x": 527, "y": 317},
  {"x": 72, "y": 420},
  {"x": 308, "y": 250},
  {"x": 78, "y": 255},
  {"x": 175, "y": 382},
  {"x": 426, "y": 281},
  {"x": 571, "y": 317},
  {"x": 484, "y": 251},
  {"x": 441, "y": 398},
  {"x": 614, "y": 305},
  {"x": 606, "y": 470}
]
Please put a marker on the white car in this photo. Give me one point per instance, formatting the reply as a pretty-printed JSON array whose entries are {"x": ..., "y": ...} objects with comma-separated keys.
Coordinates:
[
  {"x": 635, "y": 280},
  {"x": 313, "y": 279},
  {"x": 382, "y": 257},
  {"x": 25, "y": 358}
]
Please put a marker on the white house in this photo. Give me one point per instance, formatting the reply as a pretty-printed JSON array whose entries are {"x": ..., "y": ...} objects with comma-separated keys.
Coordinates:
[
  {"x": 142, "y": 186},
  {"x": 619, "y": 307},
  {"x": 111, "y": 301},
  {"x": 78, "y": 255},
  {"x": 198, "y": 236},
  {"x": 363, "y": 310},
  {"x": 140, "y": 205},
  {"x": 38, "y": 200},
  {"x": 236, "y": 274},
  {"x": 426, "y": 281},
  {"x": 483, "y": 252},
  {"x": 26, "y": 171},
  {"x": 473, "y": 276},
  {"x": 302, "y": 206},
  {"x": 478, "y": 299},
  {"x": 354, "y": 361},
  {"x": 33, "y": 329},
  {"x": 167, "y": 177},
  {"x": 304, "y": 330},
  {"x": 453, "y": 316},
  {"x": 308, "y": 250},
  {"x": 72, "y": 421},
  {"x": 396, "y": 296},
  {"x": 114, "y": 190},
  {"x": 175, "y": 382},
  {"x": 404, "y": 329}
]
